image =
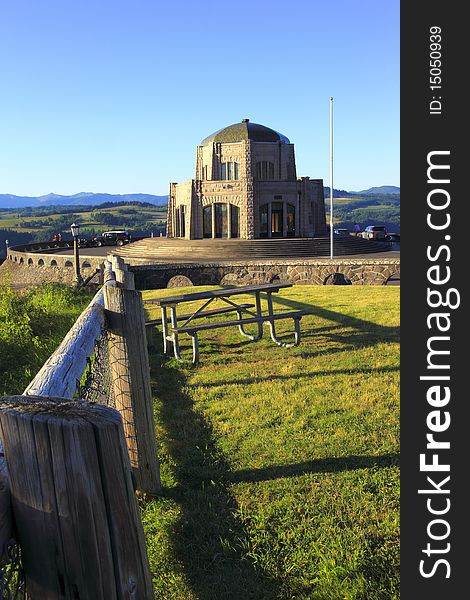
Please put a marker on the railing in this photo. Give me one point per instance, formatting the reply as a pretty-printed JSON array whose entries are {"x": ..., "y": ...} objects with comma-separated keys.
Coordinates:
[{"x": 73, "y": 465}]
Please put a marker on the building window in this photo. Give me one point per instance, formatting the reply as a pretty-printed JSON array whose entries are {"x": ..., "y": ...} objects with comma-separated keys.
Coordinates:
[
  {"x": 207, "y": 222},
  {"x": 221, "y": 222},
  {"x": 216, "y": 222},
  {"x": 277, "y": 221},
  {"x": 234, "y": 220},
  {"x": 229, "y": 171},
  {"x": 290, "y": 220},
  {"x": 180, "y": 221},
  {"x": 263, "y": 220},
  {"x": 265, "y": 170}
]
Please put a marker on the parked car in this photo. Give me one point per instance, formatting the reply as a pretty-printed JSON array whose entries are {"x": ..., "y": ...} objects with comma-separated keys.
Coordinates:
[
  {"x": 375, "y": 232},
  {"x": 111, "y": 238},
  {"x": 84, "y": 243},
  {"x": 394, "y": 237},
  {"x": 340, "y": 231}
]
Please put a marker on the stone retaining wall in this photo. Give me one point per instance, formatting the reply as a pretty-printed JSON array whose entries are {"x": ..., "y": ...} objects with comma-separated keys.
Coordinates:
[
  {"x": 307, "y": 272},
  {"x": 32, "y": 268}
]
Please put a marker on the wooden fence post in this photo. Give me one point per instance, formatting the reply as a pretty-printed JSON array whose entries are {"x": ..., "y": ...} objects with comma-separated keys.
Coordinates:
[
  {"x": 6, "y": 519},
  {"x": 130, "y": 376},
  {"x": 75, "y": 511}
]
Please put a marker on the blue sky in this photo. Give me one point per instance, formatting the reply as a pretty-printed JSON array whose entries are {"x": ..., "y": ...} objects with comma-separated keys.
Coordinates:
[{"x": 114, "y": 96}]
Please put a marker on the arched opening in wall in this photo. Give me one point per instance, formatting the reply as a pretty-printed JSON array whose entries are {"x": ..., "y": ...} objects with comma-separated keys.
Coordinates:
[
  {"x": 68, "y": 263},
  {"x": 16, "y": 260},
  {"x": 179, "y": 281},
  {"x": 86, "y": 264},
  {"x": 337, "y": 279},
  {"x": 53, "y": 263},
  {"x": 393, "y": 279},
  {"x": 21, "y": 260},
  {"x": 40, "y": 262},
  {"x": 30, "y": 262}
]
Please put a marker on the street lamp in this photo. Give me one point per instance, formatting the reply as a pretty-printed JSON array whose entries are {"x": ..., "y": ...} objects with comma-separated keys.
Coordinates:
[{"x": 75, "y": 229}]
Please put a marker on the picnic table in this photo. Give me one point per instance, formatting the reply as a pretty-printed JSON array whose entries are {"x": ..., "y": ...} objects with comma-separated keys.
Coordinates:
[{"x": 246, "y": 313}]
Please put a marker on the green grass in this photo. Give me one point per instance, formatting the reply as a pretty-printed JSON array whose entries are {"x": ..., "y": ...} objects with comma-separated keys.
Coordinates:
[
  {"x": 32, "y": 325},
  {"x": 280, "y": 466}
]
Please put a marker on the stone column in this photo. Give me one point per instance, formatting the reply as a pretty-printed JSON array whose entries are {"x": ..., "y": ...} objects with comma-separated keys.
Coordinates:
[
  {"x": 270, "y": 218},
  {"x": 284, "y": 219},
  {"x": 213, "y": 220}
]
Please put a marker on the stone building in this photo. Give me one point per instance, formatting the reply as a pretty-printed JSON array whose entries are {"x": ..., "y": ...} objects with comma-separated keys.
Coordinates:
[{"x": 246, "y": 186}]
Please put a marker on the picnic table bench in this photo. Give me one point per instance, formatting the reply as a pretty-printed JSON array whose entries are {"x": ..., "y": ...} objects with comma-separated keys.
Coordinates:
[{"x": 172, "y": 329}]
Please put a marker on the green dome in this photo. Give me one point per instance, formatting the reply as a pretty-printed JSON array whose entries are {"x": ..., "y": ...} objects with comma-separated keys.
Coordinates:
[{"x": 244, "y": 131}]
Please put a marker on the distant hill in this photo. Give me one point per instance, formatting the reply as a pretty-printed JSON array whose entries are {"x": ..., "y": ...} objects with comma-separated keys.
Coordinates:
[
  {"x": 383, "y": 189},
  {"x": 374, "y": 191},
  {"x": 83, "y": 199}
]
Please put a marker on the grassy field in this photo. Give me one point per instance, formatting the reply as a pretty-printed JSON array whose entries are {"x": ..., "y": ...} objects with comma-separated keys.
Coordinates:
[
  {"x": 280, "y": 466},
  {"x": 16, "y": 220},
  {"x": 32, "y": 325}
]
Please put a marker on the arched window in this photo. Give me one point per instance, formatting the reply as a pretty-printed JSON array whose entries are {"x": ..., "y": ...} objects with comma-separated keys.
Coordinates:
[{"x": 265, "y": 170}]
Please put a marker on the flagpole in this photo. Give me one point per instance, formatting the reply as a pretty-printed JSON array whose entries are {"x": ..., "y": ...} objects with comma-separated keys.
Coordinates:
[{"x": 331, "y": 177}]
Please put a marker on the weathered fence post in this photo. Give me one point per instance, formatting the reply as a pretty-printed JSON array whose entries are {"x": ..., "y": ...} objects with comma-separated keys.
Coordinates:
[
  {"x": 75, "y": 511},
  {"x": 130, "y": 375},
  {"x": 124, "y": 277},
  {"x": 6, "y": 519}
]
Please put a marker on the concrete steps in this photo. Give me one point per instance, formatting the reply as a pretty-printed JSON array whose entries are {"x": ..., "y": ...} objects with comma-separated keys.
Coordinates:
[{"x": 168, "y": 249}]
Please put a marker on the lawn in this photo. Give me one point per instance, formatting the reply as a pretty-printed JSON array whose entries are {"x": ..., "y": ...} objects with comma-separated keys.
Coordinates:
[{"x": 280, "y": 466}]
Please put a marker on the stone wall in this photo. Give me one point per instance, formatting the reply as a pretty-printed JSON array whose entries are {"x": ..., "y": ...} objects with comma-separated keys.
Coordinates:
[
  {"x": 31, "y": 268},
  {"x": 308, "y": 272}
]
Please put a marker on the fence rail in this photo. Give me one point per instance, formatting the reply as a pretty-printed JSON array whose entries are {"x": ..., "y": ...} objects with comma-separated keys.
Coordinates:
[{"x": 70, "y": 466}]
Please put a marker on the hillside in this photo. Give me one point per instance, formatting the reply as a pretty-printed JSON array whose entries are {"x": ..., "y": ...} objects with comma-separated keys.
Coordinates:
[
  {"x": 34, "y": 224},
  {"x": 383, "y": 189},
  {"x": 366, "y": 208},
  {"x": 82, "y": 199}
]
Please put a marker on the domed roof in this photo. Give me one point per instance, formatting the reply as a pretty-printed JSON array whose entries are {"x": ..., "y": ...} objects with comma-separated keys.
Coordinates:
[{"x": 245, "y": 131}]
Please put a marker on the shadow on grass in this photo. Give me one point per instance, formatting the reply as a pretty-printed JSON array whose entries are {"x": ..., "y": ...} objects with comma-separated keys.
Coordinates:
[
  {"x": 303, "y": 375},
  {"x": 365, "y": 332},
  {"x": 208, "y": 540},
  {"x": 323, "y": 465}
]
